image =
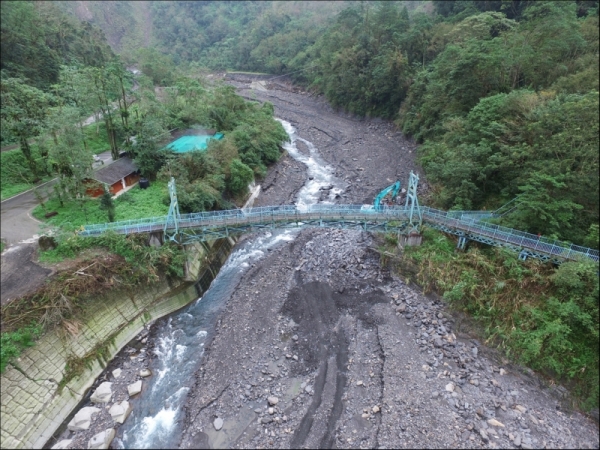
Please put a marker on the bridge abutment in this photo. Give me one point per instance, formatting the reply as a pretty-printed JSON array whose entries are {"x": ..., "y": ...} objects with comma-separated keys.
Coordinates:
[{"x": 411, "y": 240}]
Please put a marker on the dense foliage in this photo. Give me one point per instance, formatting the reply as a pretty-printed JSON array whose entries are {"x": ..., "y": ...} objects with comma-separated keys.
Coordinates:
[
  {"x": 37, "y": 38},
  {"x": 210, "y": 179},
  {"x": 503, "y": 94},
  {"x": 542, "y": 316}
]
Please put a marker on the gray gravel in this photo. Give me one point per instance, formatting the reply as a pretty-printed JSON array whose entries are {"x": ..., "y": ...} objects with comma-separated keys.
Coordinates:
[
  {"x": 357, "y": 358},
  {"x": 354, "y": 356},
  {"x": 379, "y": 364}
]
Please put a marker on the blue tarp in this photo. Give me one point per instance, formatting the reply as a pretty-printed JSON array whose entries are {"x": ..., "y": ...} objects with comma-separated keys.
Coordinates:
[{"x": 189, "y": 143}]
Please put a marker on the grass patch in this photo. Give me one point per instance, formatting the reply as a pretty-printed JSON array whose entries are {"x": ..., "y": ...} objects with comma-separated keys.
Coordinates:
[
  {"x": 137, "y": 203},
  {"x": 13, "y": 343},
  {"x": 96, "y": 142},
  {"x": 539, "y": 315},
  {"x": 15, "y": 174}
]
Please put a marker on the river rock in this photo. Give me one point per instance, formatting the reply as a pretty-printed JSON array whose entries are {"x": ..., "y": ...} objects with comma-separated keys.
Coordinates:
[
  {"x": 483, "y": 435},
  {"x": 218, "y": 423},
  {"x": 117, "y": 373},
  {"x": 102, "y": 439},
  {"x": 81, "y": 420},
  {"x": 134, "y": 388},
  {"x": 120, "y": 411},
  {"x": 102, "y": 393},
  {"x": 450, "y": 387},
  {"x": 272, "y": 400},
  {"x": 517, "y": 440},
  {"x": 145, "y": 373},
  {"x": 60, "y": 445},
  {"x": 495, "y": 423}
]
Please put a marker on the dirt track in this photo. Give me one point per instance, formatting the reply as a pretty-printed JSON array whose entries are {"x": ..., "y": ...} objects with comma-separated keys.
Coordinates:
[{"x": 355, "y": 357}]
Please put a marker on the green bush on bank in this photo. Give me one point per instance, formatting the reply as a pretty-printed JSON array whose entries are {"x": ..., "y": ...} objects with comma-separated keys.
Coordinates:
[
  {"x": 144, "y": 263},
  {"x": 15, "y": 174},
  {"x": 542, "y": 316},
  {"x": 13, "y": 343},
  {"x": 61, "y": 300}
]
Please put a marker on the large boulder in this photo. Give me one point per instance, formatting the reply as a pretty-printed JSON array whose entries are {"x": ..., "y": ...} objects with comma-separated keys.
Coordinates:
[
  {"x": 47, "y": 243},
  {"x": 134, "y": 388},
  {"x": 120, "y": 411},
  {"x": 103, "y": 393},
  {"x": 102, "y": 439},
  {"x": 61, "y": 445},
  {"x": 81, "y": 420}
]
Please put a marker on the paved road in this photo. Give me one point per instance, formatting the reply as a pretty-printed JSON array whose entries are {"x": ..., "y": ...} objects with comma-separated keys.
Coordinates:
[{"x": 17, "y": 224}]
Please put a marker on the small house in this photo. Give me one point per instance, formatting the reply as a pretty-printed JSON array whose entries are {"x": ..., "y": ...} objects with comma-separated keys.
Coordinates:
[{"x": 118, "y": 176}]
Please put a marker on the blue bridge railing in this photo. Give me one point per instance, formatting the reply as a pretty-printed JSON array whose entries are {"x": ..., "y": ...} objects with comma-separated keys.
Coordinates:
[{"x": 468, "y": 224}]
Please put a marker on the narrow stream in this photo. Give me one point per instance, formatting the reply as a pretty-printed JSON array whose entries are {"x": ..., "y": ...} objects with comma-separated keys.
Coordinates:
[
  {"x": 320, "y": 174},
  {"x": 157, "y": 417}
]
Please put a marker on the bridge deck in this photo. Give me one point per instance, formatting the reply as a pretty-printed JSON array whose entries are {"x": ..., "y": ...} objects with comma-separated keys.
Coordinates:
[{"x": 468, "y": 224}]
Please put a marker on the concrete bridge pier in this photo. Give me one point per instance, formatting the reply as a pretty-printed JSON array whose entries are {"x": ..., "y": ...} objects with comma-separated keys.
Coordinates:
[
  {"x": 156, "y": 239},
  {"x": 411, "y": 240}
]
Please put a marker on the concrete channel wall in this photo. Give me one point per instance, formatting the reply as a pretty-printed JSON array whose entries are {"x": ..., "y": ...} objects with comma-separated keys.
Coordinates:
[{"x": 33, "y": 403}]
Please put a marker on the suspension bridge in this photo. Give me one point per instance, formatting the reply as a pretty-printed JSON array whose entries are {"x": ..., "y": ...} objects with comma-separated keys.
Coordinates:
[{"x": 406, "y": 220}]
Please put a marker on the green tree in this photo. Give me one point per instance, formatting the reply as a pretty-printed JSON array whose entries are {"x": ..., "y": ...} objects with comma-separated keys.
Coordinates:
[
  {"x": 240, "y": 177},
  {"x": 24, "y": 110},
  {"x": 107, "y": 204},
  {"x": 541, "y": 208}
]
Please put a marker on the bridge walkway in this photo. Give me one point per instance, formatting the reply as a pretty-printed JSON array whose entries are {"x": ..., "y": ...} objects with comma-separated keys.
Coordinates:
[{"x": 465, "y": 224}]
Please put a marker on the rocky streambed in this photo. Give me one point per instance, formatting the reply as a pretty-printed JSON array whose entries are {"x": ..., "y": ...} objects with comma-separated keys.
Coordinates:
[{"x": 319, "y": 346}]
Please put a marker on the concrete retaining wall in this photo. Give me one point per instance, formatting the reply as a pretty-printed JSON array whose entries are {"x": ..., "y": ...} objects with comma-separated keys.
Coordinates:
[{"x": 33, "y": 406}]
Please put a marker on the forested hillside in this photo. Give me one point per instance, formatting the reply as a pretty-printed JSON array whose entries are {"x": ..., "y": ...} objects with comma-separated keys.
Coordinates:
[
  {"x": 37, "y": 38},
  {"x": 502, "y": 95}
]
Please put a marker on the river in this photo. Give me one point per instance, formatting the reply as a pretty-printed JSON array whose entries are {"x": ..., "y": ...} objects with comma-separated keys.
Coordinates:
[{"x": 157, "y": 417}]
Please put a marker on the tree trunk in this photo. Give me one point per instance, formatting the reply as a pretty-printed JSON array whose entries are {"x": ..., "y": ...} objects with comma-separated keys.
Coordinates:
[{"x": 26, "y": 149}]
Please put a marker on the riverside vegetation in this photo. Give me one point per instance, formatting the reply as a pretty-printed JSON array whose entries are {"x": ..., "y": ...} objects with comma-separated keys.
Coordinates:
[{"x": 541, "y": 316}]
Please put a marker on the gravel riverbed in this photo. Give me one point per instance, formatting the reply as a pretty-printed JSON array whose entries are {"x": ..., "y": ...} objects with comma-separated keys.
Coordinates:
[{"x": 321, "y": 347}]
